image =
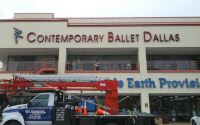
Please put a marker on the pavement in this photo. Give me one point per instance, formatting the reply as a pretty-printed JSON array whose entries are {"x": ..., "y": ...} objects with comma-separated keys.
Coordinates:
[{"x": 180, "y": 123}]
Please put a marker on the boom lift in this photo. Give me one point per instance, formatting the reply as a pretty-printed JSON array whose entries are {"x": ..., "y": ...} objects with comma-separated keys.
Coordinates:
[
  {"x": 76, "y": 82},
  {"x": 63, "y": 83}
]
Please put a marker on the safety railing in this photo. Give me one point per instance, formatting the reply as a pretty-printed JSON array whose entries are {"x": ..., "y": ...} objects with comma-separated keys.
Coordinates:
[
  {"x": 173, "y": 65},
  {"x": 29, "y": 66},
  {"x": 102, "y": 66}
]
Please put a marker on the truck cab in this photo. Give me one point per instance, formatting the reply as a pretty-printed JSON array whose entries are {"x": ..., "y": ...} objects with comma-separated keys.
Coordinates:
[{"x": 38, "y": 111}]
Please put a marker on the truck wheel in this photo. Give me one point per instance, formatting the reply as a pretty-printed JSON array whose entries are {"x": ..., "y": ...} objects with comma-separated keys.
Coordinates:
[
  {"x": 193, "y": 122},
  {"x": 111, "y": 124},
  {"x": 13, "y": 123}
]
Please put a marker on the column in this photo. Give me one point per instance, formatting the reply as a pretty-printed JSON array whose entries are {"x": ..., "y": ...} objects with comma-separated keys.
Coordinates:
[
  {"x": 144, "y": 98},
  {"x": 142, "y": 60},
  {"x": 4, "y": 62},
  {"x": 62, "y": 60}
]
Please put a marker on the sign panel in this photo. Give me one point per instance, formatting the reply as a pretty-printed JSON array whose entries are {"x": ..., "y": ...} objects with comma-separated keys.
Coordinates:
[
  {"x": 162, "y": 83},
  {"x": 110, "y": 37}
]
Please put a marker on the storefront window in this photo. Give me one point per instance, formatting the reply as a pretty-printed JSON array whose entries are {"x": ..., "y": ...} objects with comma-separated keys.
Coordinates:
[
  {"x": 178, "y": 108},
  {"x": 197, "y": 105},
  {"x": 130, "y": 102}
]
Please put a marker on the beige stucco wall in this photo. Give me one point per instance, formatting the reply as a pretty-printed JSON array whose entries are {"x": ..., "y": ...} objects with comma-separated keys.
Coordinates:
[{"x": 189, "y": 37}]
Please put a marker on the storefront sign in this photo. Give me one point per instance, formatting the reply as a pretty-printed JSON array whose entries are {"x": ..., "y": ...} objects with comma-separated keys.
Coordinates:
[
  {"x": 162, "y": 83},
  {"x": 110, "y": 37}
]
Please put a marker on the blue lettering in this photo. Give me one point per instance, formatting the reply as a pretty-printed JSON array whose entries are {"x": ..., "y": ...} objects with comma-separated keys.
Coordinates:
[
  {"x": 152, "y": 83},
  {"x": 186, "y": 82},
  {"x": 147, "y": 83},
  {"x": 143, "y": 83},
  {"x": 120, "y": 84},
  {"x": 169, "y": 84},
  {"x": 137, "y": 84},
  {"x": 181, "y": 84},
  {"x": 174, "y": 84},
  {"x": 192, "y": 84},
  {"x": 130, "y": 82},
  {"x": 162, "y": 82},
  {"x": 197, "y": 82}
]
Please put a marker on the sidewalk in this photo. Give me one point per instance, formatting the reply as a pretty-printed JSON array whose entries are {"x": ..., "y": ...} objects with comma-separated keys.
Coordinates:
[{"x": 180, "y": 123}]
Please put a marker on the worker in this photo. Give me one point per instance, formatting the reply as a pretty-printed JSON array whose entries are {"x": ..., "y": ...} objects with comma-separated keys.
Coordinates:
[
  {"x": 128, "y": 66},
  {"x": 79, "y": 109},
  {"x": 96, "y": 65},
  {"x": 82, "y": 108}
]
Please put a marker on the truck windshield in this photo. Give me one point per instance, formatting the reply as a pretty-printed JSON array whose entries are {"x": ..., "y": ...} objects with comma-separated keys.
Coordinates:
[{"x": 40, "y": 101}]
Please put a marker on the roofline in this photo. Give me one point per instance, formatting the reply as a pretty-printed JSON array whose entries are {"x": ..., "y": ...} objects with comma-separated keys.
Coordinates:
[
  {"x": 129, "y": 17},
  {"x": 35, "y": 20},
  {"x": 134, "y": 25},
  {"x": 114, "y": 24},
  {"x": 64, "y": 18}
]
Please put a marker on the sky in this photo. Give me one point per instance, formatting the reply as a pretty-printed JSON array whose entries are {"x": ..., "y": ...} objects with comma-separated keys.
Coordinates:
[{"x": 102, "y": 8}]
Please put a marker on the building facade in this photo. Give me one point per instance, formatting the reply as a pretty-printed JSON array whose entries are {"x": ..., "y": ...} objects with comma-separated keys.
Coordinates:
[{"x": 155, "y": 60}]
